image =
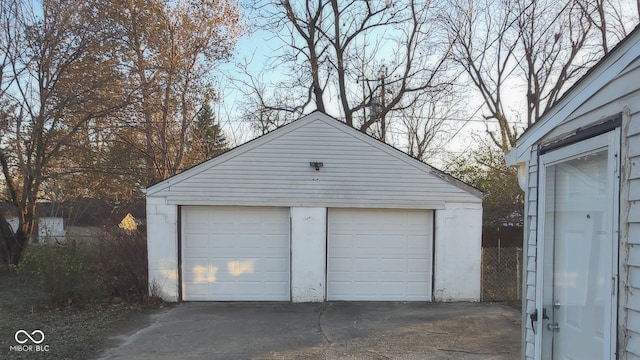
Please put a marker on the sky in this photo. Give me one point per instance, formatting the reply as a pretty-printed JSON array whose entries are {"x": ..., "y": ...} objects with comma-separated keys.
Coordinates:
[{"x": 259, "y": 45}]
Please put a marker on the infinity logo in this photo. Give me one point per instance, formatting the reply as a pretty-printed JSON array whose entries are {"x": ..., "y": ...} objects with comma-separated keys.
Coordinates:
[{"x": 29, "y": 336}]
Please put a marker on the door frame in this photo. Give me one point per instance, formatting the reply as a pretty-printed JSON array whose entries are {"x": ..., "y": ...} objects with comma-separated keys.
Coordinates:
[{"x": 609, "y": 140}]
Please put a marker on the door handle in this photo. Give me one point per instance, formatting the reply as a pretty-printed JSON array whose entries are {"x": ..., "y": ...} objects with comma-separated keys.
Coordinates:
[
  {"x": 556, "y": 304},
  {"x": 553, "y": 327}
]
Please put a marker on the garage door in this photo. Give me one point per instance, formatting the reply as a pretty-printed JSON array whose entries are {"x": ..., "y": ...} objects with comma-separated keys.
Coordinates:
[
  {"x": 235, "y": 253},
  {"x": 379, "y": 255}
]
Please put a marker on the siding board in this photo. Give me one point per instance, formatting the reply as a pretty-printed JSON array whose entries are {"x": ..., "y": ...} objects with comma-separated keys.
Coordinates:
[
  {"x": 634, "y": 233},
  {"x": 355, "y": 172}
]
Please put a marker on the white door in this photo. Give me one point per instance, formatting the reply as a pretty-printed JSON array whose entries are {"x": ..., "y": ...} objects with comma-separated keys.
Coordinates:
[
  {"x": 379, "y": 254},
  {"x": 578, "y": 266},
  {"x": 235, "y": 253}
]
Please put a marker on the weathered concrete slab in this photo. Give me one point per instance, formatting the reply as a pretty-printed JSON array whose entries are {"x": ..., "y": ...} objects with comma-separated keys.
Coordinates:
[{"x": 338, "y": 330}]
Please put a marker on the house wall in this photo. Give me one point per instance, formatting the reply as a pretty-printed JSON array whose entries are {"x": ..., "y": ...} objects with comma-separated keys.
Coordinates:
[
  {"x": 630, "y": 248},
  {"x": 457, "y": 264},
  {"x": 458, "y": 252},
  {"x": 358, "y": 172},
  {"x": 50, "y": 229},
  {"x": 531, "y": 216},
  {"x": 619, "y": 96}
]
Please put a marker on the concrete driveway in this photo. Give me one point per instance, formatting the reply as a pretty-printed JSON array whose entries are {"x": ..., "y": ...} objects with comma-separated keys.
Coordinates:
[{"x": 337, "y": 330}]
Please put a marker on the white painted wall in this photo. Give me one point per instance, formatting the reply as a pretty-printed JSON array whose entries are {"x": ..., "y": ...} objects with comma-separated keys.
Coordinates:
[
  {"x": 458, "y": 252},
  {"x": 50, "y": 230},
  {"x": 162, "y": 248},
  {"x": 308, "y": 254}
]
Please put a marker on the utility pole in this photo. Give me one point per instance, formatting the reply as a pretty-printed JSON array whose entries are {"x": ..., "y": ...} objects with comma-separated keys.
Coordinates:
[{"x": 383, "y": 120}]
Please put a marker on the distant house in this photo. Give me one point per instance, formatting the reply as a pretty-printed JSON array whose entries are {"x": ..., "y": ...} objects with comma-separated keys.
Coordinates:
[
  {"x": 83, "y": 220},
  {"x": 313, "y": 211},
  {"x": 579, "y": 166},
  {"x": 51, "y": 224}
]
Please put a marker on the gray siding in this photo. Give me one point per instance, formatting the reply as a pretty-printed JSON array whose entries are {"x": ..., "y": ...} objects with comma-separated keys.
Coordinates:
[
  {"x": 620, "y": 95},
  {"x": 530, "y": 238},
  {"x": 610, "y": 100},
  {"x": 274, "y": 170},
  {"x": 633, "y": 242}
]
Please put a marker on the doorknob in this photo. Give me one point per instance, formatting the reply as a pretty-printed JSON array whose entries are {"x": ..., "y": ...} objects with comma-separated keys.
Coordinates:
[
  {"x": 553, "y": 327},
  {"x": 556, "y": 304}
]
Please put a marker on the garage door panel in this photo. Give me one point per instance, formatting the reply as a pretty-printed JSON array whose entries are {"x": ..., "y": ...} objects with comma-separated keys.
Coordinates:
[
  {"x": 193, "y": 262},
  {"x": 418, "y": 265},
  {"x": 340, "y": 264},
  {"x": 276, "y": 264},
  {"x": 275, "y": 288},
  {"x": 235, "y": 253},
  {"x": 393, "y": 265},
  {"x": 379, "y": 254},
  {"x": 199, "y": 290},
  {"x": 418, "y": 242},
  {"x": 198, "y": 241},
  {"x": 366, "y": 265},
  {"x": 416, "y": 288},
  {"x": 225, "y": 241}
]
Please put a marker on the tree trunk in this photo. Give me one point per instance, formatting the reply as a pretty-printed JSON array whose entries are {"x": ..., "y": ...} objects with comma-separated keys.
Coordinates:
[{"x": 12, "y": 245}]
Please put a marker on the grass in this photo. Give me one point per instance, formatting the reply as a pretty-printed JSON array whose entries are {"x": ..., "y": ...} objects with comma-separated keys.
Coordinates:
[{"x": 70, "y": 332}]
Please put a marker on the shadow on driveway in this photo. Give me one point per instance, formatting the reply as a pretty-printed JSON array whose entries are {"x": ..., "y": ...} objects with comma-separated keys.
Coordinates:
[{"x": 336, "y": 330}]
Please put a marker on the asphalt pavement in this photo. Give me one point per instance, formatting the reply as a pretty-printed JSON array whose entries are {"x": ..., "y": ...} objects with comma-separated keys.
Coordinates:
[{"x": 333, "y": 330}]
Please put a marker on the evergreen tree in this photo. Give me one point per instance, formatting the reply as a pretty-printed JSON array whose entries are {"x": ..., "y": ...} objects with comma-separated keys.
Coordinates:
[{"x": 209, "y": 138}]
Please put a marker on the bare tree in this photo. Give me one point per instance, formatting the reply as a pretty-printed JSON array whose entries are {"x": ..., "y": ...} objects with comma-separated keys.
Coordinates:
[
  {"x": 55, "y": 79},
  {"x": 430, "y": 122},
  {"x": 556, "y": 50},
  {"x": 361, "y": 58},
  {"x": 485, "y": 46},
  {"x": 546, "y": 45}
]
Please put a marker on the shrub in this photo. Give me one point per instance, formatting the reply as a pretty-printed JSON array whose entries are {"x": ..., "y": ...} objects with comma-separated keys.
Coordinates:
[
  {"x": 66, "y": 272},
  {"x": 114, "y": 267},
  {"x": 123, "y": 264}
]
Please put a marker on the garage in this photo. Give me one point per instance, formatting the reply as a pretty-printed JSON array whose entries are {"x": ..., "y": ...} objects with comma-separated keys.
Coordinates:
[
  {"x": 235, "y": 253},
  {"x": 379, "y": 254},
  {"x": 314, "y": 211}
]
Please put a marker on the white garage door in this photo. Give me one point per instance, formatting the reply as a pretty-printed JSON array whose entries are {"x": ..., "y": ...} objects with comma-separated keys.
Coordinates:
[
  {"x": 235, "y": 253},
  {"x": 379, "y": 255}
]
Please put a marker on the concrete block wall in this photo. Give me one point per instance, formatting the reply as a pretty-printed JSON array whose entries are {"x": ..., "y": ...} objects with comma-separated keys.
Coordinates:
[
  {"x": 457, "y": 257},
  {"x": 162, "y": 248},
  {"x": 308, "y": 254},
  {"x": 458, "y": 252}
]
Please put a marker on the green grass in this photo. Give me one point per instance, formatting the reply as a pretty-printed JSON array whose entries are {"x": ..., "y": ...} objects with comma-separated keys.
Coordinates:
[{"x": 70, "y": 332}]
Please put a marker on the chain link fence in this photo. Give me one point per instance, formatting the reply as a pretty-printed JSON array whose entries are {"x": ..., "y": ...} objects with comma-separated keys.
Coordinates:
[{"x": 501, "y": 273}]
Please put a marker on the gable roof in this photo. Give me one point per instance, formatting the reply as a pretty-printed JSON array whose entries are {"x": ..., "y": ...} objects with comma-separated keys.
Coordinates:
[
  {"x": 605, "y": 71},
  {"x": 308, "y": 128}
]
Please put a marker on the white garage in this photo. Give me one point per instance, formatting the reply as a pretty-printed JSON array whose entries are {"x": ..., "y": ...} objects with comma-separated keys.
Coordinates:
[
  {"x": 379, "y": 254},
  {"x": 314, "y": 211}
]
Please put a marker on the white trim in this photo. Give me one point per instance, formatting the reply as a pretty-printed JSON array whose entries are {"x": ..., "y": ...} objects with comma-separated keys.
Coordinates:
[{"x": 610, "y": 141}]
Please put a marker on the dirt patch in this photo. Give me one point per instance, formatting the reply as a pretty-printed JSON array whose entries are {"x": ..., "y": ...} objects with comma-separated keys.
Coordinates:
[{"x": 69, "y": 332}]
